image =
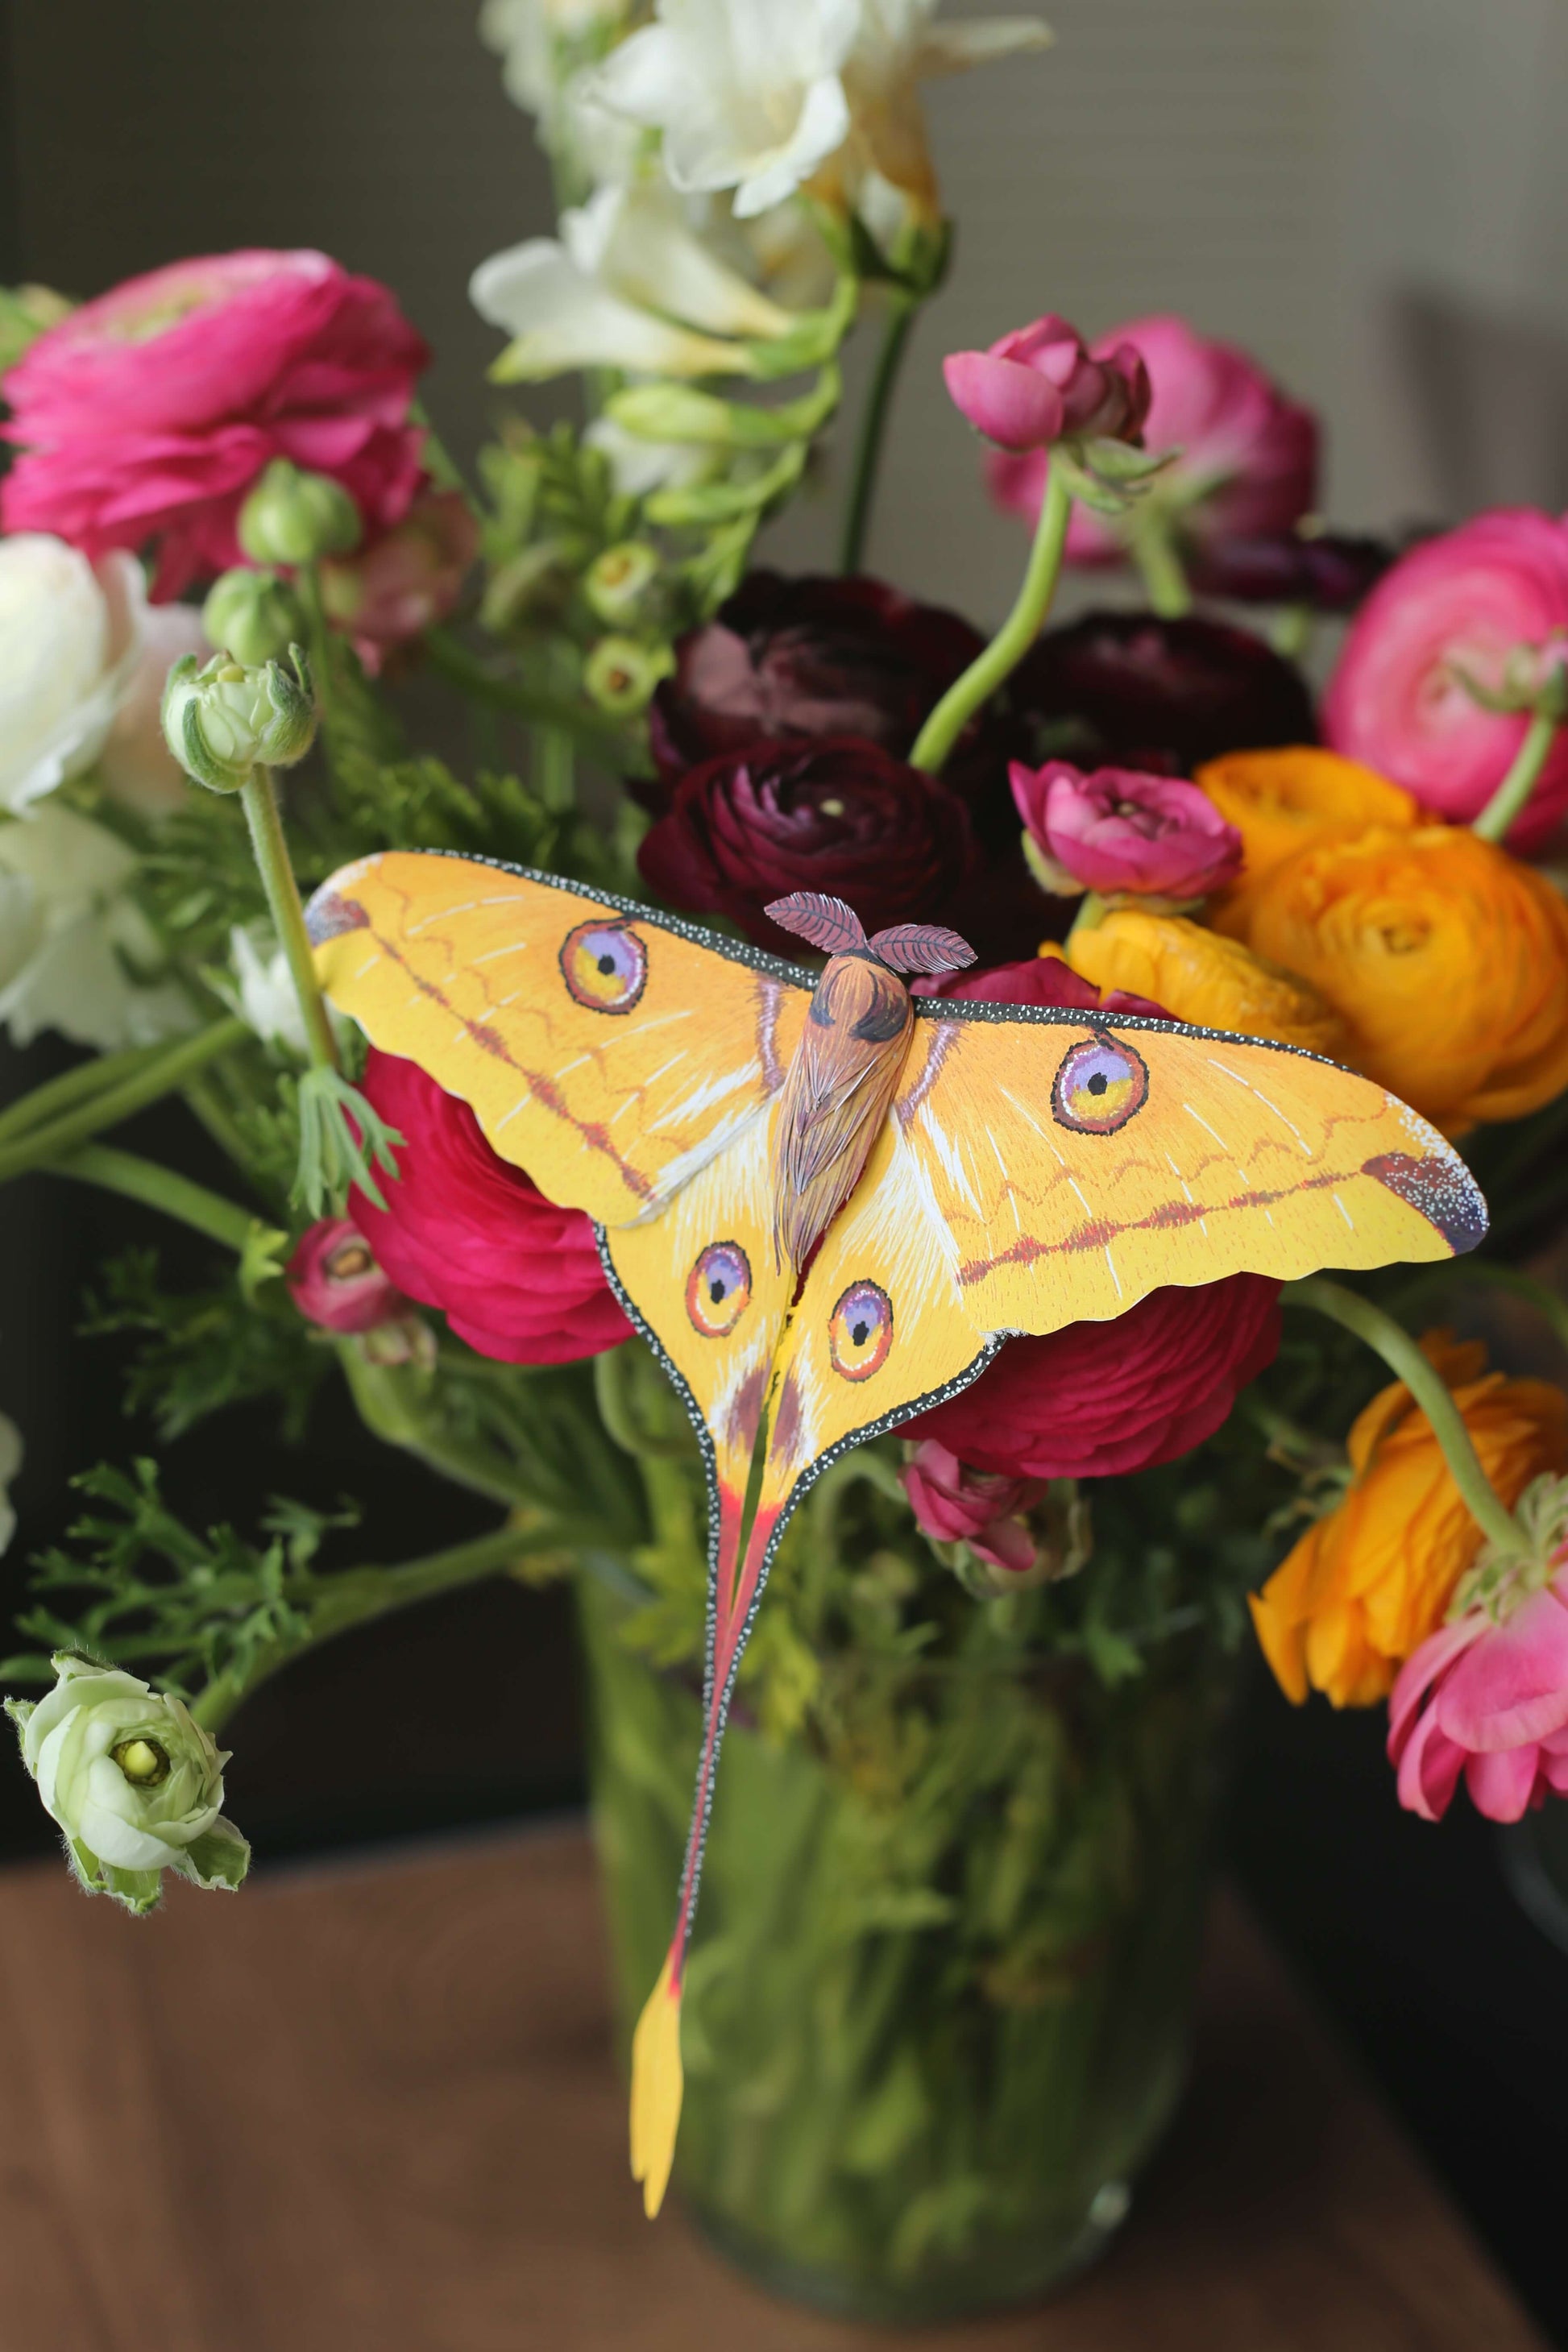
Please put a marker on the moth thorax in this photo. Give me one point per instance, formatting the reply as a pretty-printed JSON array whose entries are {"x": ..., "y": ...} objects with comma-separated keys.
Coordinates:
[{"x": 837, "y": 1094}]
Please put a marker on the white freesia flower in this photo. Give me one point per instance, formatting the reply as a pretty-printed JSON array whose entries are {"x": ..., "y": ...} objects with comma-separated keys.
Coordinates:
[
  {"x": 638, "y": 467},
  {"x": 588, "y": 298},
  {"x": 132, "y": 1779},
  {"x": 527, "y": 36},
  {"x": 264, "y": 994},
  {"x": 71, "y": 940},
  {"x": 762, "y": 95},
  {"x": 748, "y": 93},
  {"x": 10, "y": 1462},
  {"x": 69, "y": 636}
]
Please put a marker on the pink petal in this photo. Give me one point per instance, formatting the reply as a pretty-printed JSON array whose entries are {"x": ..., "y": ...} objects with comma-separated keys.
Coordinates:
[
  {"x": 1501, "y": 1784},
  {"x": 1513, "y": 1684},
  {"x": 1429, "y": 1769},
  {"x": 1422, "y": 1669},
  {"x": 1011, "y": 405}
]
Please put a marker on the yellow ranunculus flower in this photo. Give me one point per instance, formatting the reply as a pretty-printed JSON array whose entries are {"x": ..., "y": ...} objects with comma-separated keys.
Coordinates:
[
  {"x": 1365, "y": 1586},
  {"x": 1446, "y": 958},
  {"x": 1197, "y": 976},
  {"x": 1283, "y": 801}
]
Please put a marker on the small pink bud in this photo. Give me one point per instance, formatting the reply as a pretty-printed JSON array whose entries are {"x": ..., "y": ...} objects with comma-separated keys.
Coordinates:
[
  {"x": 334, "y": 1281},
  {"x": 1118, "y": 830},
  {"x": 953, "y": 1504},
  {"x": 1040, "y": 384}
]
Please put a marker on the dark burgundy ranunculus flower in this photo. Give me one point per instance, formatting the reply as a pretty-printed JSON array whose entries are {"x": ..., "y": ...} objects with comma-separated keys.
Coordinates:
[
  {"x": 842, "y": 815},
  {"x": 818, "y": 657},
  {"x": 1129, "y": 689},
  {"x": 1331, "y": 573}
]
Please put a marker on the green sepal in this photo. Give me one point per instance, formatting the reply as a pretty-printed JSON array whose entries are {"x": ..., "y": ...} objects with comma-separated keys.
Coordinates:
[
  {"x": 724, "y": 501},
  {"x": 261, "y": 1258},
  {"x": 677, "y": 413},
  {"x": 333, "y": 1157},
  {"x": 221, "y": 1858},
  {"x": 138, "y": 1891}
]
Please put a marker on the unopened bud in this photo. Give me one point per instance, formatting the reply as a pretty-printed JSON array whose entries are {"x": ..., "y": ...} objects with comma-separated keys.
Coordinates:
[
  {"x": 616, "y": 582},
  {"x": 26, "y": 313},
  {"x": 224, "y": 720},
  {"x": 620, "y": 675},
  {"x": 291, "y": 517},
  {"x": 254, "y": 615}
]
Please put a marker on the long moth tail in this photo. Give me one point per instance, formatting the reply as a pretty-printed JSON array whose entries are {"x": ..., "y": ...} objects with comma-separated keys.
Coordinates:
[{"x": 658, "y": 2078}]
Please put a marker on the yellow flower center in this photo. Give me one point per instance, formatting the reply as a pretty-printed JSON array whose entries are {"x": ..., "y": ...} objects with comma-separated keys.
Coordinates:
[{"x": 144, "y": 1764}]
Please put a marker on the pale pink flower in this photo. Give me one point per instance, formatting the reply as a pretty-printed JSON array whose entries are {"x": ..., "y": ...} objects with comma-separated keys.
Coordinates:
[
  {"x": 145, "y": 416},
  {"x": 335, "y": 1281},
  {"x": 1489, "y": 1700},
  {"x": 1468, "y": 605},
  {"x": 1040, "y": 384},
  {"x": 1116, "y": 830},
  {"x": 407, "y": 580}
]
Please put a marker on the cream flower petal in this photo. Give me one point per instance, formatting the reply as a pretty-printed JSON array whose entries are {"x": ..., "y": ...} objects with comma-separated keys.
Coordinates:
[
  {"x": 560, "y": 319},
  {"x": 954, "y": 48},
  {"x": 636, "y": 241}
]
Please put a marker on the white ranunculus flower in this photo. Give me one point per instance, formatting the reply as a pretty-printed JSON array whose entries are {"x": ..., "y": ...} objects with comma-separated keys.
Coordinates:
[
  {"x": 132, "y": 1779},
  {"x": 69, "y": 636},
  {"x": 762, "y": 95},
  {"x": 748, "y": 93},
  {"x": 71, "y": 940},
  {"x": 135, "y": 763}
]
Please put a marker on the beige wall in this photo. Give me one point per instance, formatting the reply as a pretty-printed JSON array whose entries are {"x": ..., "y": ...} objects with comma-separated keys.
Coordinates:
[{"x": 1371, "y": 193}]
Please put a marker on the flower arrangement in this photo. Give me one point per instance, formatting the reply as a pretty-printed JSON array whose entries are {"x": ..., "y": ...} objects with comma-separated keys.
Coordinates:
[{"x": 992, "y": 1654}]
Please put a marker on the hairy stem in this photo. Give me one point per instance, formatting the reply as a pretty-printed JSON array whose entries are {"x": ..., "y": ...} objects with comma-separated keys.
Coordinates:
[
  {"x": 136, "y": 1179},
  {"x": 1013, "y": 639},
  {"x": 261, "y": 812},
  {"x": 1509, "y": 800},
  {"x": 335, "y": 1604},
  {"x": 901, "y": 313},
  {"x": 1399, "y": 1352},
  {"x": 163, "y": 1074}
]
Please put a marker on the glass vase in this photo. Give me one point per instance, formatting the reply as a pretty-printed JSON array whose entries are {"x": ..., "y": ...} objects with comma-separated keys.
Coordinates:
[{"x": 937, "y": 2002}]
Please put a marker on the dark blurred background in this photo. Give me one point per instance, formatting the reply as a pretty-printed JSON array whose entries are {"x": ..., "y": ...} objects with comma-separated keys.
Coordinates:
[{"x": 1375, "y": 202}]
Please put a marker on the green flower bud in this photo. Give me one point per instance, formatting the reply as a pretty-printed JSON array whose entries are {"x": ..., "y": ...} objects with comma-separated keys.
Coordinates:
[
  {"x": 224, "y": 720},
  {"x": 616, "y": 582},
  {"x": 254, "y": 615},
  {"x": 26, "y": 313},
  {"x": 132, "y": 1779},
  {"x": 620, "y": 675},
  {"x": 292, "y": 517}
]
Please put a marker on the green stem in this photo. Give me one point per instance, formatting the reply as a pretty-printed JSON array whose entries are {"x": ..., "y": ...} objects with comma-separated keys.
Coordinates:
[
  {"x": 465, "y": 670},
  {"x": 354, "y": 1596},
  {"x": 1508, "y": 802},
  {"x": 136, "y": 1179},
  {"x": 63, "y": 1094},
  {"x": 901, "y": 311},
  {"x": 1013, "y": 639},
  {"x": 260, "y": 798},
  {"x": 164, "y": 1074},
  {"x": 1399, "y": 1351},
  {"x": 611, "y": 1396},
  {"x": 1552, "y": 1311},
  {"x": 384, "y": 1398},
  {"x": 1154, "y": 552}
]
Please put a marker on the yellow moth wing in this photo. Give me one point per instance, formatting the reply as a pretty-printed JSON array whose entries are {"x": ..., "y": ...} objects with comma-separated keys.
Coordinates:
[
  {"x": 609, "y": 1050},
  {"x": 1239, "y": 1157}
]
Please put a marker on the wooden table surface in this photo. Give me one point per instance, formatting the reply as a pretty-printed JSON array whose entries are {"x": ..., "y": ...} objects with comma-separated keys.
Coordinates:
[{"x": 370, "y": 2108}]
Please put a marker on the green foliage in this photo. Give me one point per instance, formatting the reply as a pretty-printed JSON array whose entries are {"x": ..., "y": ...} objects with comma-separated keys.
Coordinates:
[
  {"x": 203, "y": 1350},
  {"x": 148, "y": 1590}
]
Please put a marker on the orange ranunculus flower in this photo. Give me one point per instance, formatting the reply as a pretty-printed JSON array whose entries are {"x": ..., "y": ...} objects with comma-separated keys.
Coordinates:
[
  {"x": 1365, "y": 1586},
  {"x": 1283, "y": 801},
  {"x": 1197, "y": 976},
  {"x": 1447, "y": 958}
]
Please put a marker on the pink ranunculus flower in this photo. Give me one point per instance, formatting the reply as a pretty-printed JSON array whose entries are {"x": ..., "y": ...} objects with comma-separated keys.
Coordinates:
[
  {"x": 144, "y": 417},
  {"x": 1040, "y": 384},
  {"x": 335, "y": 1281},
  {"x": 1249, "y": 462},
  {"x": 953, "y": 1504},
  {"x": 1489, "y": 1700},
  {"x": 1116, "y": 830},
  {"x": 406, "y": 582},
  {"x": 1459, "y": 606}
]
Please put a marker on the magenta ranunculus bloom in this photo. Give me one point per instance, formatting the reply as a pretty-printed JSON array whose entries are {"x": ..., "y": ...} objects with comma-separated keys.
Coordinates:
[
  {"x": 1041, "y": 384},
  {"x": 1248, "y": 467},
  {"x": 1465, "y": 603},
  {"x": 144, "y": 417},
  {"x": 334, "y": 1280},
  {"x": 1489, "y": 1700},
  {"x": 1116, "y": 830},
  {"x": 516, "y": 1277},
  {"x": 954, "y": 1504}
]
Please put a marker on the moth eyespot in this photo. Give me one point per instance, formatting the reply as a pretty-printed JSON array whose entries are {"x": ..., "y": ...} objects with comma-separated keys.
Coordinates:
[
  {"x": 1099, "y": 1086},
  {"x": 860, "y": 1331},
  {"x": 719, "y": 1289},
  {"x": 605, "y": 966}
]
